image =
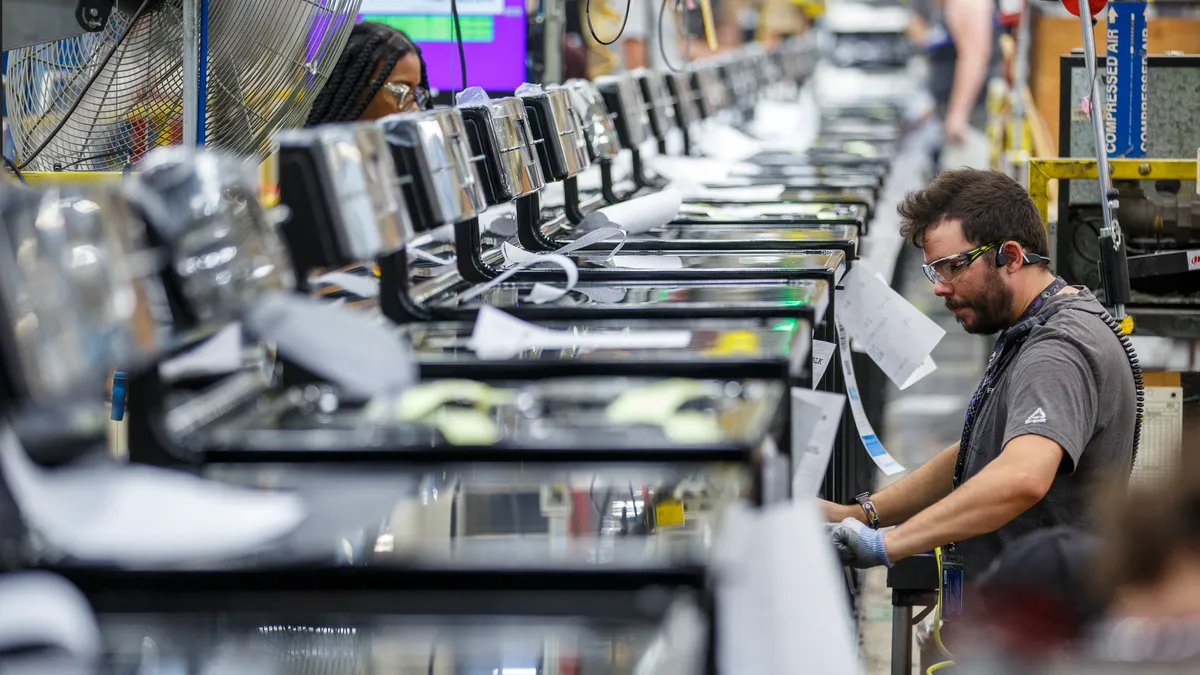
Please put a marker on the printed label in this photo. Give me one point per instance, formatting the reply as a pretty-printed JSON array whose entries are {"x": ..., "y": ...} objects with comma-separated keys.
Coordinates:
[{"x": 875, "y": 449}]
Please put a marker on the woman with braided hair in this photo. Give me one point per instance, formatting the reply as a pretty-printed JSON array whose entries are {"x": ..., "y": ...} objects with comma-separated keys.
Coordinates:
[{"x": 380, "y": 72}]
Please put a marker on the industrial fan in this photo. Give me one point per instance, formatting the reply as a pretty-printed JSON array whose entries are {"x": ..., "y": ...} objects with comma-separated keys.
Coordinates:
[{"x": 222, "y": 73}]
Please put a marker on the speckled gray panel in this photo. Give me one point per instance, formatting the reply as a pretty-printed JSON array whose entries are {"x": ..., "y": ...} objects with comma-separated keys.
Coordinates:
[{"x": 1173, "y": 119}]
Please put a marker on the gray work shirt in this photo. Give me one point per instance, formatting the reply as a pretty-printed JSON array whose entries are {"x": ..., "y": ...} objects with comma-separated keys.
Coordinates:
[{"x": 1071, "y": 382}]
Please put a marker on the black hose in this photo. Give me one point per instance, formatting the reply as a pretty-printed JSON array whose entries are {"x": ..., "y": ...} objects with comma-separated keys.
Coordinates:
[
  {"x": 587, "y": 11},
  {"x": 462, "y": 58},
  {"x": 12, "y": 166},
  {"x": 662, "y": 46}
]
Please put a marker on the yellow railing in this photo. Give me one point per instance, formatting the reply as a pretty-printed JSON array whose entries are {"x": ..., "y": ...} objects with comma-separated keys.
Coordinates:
[
  {"x": 1042, "y": 171},
  {"x": 53, "y": 177},
  {"x": 268, "y": 179}
]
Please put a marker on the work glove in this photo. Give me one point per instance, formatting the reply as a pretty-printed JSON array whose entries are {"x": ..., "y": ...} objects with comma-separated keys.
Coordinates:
[{"x": 858, "y": 545}]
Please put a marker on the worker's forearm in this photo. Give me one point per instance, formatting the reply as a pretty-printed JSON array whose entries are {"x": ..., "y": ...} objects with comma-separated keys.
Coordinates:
[
  {"x": 981, "y": 505},
  {"x": 917, "y": 491},
  {"x": 971, "y": 28},
  {"x": 910, "y": 495},
  {"x": 970, "y": 72}
]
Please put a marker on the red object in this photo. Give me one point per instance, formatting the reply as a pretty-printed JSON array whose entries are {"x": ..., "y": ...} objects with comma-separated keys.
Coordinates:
[{"x": 1094, "y": 6}]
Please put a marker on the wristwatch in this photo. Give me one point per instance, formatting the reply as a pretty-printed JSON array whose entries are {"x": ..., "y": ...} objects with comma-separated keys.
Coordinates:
[{"x": 868, "y": 507}]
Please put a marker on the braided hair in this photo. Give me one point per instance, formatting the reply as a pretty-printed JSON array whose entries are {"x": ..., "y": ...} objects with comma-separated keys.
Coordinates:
[{"x": 361, "y": 71}]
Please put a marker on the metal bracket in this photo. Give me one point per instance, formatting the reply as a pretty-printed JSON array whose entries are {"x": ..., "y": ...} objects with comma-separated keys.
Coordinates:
[{"x": 92, "y": 15}]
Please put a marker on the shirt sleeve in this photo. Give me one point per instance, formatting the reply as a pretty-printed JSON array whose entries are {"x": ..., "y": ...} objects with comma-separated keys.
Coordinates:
[{"x": 1052, "y": 393}]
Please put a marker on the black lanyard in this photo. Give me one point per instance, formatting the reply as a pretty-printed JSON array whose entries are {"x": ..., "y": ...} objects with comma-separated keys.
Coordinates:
[{"x": 1007, "y": 344}]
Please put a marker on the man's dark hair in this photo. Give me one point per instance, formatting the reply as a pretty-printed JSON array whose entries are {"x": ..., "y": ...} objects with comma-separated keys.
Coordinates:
[
  {"x": 991, "y": 206},
  {"x": 361, "y": 71}
]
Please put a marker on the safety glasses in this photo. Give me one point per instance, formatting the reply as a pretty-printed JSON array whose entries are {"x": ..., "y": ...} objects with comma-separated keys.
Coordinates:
[
  {"x": 949, "y": 267},
  {"x": 406, "y": 96}
]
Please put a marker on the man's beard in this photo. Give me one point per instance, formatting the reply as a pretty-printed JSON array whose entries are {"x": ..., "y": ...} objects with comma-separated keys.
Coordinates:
[{"x": 990, "y": 311}]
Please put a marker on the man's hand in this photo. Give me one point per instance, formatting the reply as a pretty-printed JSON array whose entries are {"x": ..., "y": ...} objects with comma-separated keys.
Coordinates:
[
  {"x": 837, "y": 513},
  {"x": 858, "y": 545},
  {"x": 955, "y": 128}
]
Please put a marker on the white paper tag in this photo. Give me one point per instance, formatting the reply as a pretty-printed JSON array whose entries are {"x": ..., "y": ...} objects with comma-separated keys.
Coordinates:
[
  {"x": 1193, "y": 258},
  {"x": 517, "y": 259},
  {"x": 751, "y": 193},
  {"x": 363, "y": 287},
  {"x": 514, "y": 255},
  {"x": 498, "y": 335},
  {"x": 52, "y": 612},
  {"x": 763, "y": 598},
  {"x": 927, "y": 367},
  {"x": 222, "y": 353},
  {"x": 675, "y": 142},
  {"x": 816, "y": 416},
  {"x": 721, "y": 141},
  {"x": 822, "y": 352},
  {"x": 896, "y": 335},
  {"x": 637, "y": 215},
  {"x": 871, "y": 442},
  {"x": 541, "y": 293},
  {"x": 136, "y": 515},
  {"x": 785, "y": 125},
  {"x": 595, "y": 237},
  {"x": 429, "y": 257}
]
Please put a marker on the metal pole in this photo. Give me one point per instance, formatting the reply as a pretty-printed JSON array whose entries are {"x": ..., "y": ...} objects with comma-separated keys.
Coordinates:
[
  {"x": 902, "y": 639},
  {"x": 1020, "y": 79},
  {"x": 1110, "y": 233},
  {"x": 552, "y": 48},
  {"x": 202, "y": 78},
  {"x": 1089, "y": 58},
  {"x": 191, "y": 70}
]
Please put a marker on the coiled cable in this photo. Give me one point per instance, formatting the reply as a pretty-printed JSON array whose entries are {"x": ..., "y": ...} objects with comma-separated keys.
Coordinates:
[{"x": 1138, "y": 382}]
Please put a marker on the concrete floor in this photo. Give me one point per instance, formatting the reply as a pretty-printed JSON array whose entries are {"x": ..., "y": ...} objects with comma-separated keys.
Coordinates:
[{"x": 920, "y": 421}]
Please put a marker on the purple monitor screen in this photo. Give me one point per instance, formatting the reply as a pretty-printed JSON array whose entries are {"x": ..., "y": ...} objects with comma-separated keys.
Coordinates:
[{"x": 493, "y": 33}]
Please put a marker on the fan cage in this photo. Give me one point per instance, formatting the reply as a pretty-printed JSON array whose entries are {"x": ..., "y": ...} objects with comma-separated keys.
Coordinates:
[{"x": 266, "y": 62}]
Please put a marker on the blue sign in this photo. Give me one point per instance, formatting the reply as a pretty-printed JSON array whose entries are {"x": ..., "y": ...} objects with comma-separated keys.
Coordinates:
[{"x": 1125, "y": 80}]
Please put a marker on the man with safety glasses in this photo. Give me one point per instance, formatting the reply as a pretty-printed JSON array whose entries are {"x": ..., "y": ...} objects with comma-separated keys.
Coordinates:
[{"x": 1054, "y": 415}]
